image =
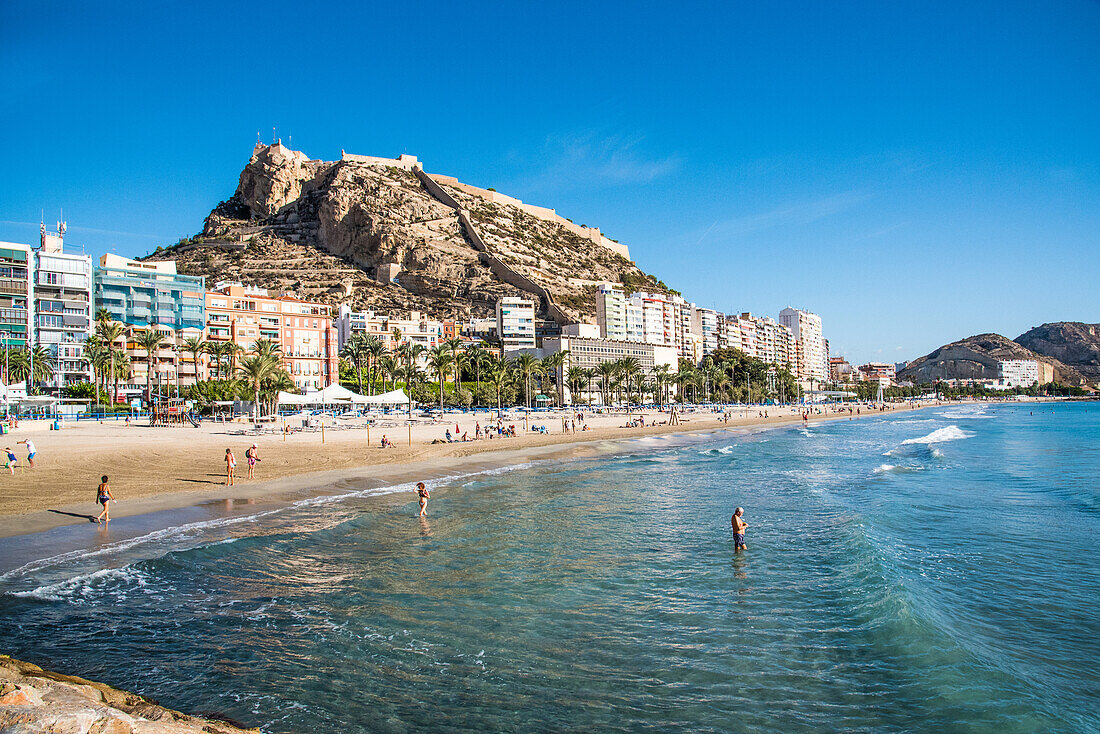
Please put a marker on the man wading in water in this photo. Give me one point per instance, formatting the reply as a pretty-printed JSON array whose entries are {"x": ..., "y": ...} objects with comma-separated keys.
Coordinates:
[{"x": 739, "y": 526}]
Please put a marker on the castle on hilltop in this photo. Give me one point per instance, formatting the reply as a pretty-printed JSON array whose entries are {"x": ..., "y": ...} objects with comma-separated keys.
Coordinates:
[{"x": 410, "y": 163}]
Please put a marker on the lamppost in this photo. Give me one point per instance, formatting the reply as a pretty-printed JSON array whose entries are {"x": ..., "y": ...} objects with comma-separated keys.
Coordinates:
[{"x": 6, "y": 336}]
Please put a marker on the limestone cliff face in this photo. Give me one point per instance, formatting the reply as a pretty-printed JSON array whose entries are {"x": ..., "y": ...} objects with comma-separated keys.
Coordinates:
[
  {"x": 337, "y": 232},
  {"x": 978, "y": 358},
  {"x": 1072, "y": 342}
]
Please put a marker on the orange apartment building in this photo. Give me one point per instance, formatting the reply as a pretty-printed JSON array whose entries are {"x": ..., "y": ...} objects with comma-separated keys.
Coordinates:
[{"x": 303, "y": 330}]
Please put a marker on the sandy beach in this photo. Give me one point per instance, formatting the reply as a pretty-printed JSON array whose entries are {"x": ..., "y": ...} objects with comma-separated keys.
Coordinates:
[{"x": 154, "y": 469}]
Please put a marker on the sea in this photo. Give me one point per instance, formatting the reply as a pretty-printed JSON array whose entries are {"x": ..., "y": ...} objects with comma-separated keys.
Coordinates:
[{"x": 929, "y": 571}]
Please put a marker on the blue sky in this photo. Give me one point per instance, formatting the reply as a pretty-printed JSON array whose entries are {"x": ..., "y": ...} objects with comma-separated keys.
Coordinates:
[{"x": 913, "y": 172}]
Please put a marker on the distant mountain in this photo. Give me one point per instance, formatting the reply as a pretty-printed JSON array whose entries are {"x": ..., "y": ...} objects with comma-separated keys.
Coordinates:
[
  {"x": 1072, "y": 342},
  {"x": 978, "y": 358},
  {"x": 382, "y": 234}
]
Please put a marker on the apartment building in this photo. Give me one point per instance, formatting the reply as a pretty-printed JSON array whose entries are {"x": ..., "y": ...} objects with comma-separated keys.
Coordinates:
[
  {"x": 152, "y": 295},
  {"x": 303, "y": 330},
  {"x": 1019, "y": 373},
  {"x": 881, "y": 372},
  {"x": 812, "y": 356},
  {"x": 516, "y": 323},
  {"x": 413, "y": 326},
  {"x": 62, "y": 307},
  {"x": 16, "y": 264},
  {"x": 588, "y": 352}
]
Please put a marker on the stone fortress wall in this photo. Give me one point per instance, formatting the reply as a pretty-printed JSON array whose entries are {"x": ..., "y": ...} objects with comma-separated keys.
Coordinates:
[
  {"x": 540, "y": 212},
  {"x": 410, "y": 163}
]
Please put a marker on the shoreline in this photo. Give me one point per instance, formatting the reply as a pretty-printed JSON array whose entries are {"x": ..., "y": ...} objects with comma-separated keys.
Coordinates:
[{"x": 297, "y": 480}]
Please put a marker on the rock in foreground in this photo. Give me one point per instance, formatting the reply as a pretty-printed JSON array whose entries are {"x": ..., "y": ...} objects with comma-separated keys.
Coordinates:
[{"x": 34, "y": 700}]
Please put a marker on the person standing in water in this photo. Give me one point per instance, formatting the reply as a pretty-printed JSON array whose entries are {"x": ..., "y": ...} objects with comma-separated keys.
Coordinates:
[
  {"x": 423, "y": 493},
  {"x": 104, "y": 497},
  {"x": 739, "y": 526}
]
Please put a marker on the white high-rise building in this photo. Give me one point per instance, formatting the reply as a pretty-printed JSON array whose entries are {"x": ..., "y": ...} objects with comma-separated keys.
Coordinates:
[
  {"x": 812, "y": 358},
  {"x": 1019, "y": 372},
  {"x": 705, "y": 324},
  {"x": 516, "y": 323},
  {"x": 611, "y": 312},
  {"x": 62, "y": 307}
]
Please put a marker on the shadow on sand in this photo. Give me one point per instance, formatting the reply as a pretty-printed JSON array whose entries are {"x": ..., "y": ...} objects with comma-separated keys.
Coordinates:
[{"x": 89, "y": 518}]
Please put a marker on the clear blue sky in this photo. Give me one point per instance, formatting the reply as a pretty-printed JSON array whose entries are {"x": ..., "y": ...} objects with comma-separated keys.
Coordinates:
[{"x": 913, "y": 172}]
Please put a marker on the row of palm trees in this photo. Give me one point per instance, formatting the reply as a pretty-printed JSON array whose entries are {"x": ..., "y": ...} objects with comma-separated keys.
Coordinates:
[{"x": 726, "y": 376}]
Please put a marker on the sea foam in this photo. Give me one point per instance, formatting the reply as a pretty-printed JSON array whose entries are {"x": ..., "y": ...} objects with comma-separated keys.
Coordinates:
[{"x": 940, "y": 435}]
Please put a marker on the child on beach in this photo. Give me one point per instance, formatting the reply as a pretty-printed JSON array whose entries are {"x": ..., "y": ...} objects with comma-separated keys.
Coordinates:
[
  {"x": 31, "y": 451},
  {"x": 104, "y": 497},
  {"x": 423, "y": 494},
  {"x": 253, "y": 457},
  {"x": 12, "y": 461},
  {"x": 230, "y": 465},
  {"x": 739, "y": 526}
]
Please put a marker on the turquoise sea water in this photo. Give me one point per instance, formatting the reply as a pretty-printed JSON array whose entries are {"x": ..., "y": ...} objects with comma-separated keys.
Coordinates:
[{"x": 934, "y": 571}]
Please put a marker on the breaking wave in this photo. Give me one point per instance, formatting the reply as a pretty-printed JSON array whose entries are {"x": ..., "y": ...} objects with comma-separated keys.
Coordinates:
[{"x": 940, "y": 435}]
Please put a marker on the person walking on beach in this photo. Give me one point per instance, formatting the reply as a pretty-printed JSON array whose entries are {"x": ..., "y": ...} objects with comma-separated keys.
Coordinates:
[
  {"x": 31, "y": 451},
  {"x": 253, "y": 457},
  {"x": 739, "y": 526},
  {"x": 104, "y": 497},
  {"x": 12, "y": 461},
  {"x": 423, "y": 493},
  {"x": 230, "y": 465}
]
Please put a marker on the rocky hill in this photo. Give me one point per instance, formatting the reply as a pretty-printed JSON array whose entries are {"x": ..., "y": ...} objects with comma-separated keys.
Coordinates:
[
  {"x": 370, "y": 232},
  {"x": 978, "y": 358},
  {"x": 1074, "y": 343}
]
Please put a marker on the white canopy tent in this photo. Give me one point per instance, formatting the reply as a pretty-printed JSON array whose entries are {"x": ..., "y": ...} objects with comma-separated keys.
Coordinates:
[{"x": 340, "y": 395}]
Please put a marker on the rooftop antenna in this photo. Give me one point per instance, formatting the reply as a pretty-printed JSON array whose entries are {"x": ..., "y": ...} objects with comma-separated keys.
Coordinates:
[
  {"x": 273, "y": 135},
  {"x": 258, "y": 137}
]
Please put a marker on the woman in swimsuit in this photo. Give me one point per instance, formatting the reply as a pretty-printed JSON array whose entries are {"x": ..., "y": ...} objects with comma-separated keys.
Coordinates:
[
  {"x": 103, "y": 497},
  {"x": 230, "y": 465},
  {"x": 423, "y": 494}
]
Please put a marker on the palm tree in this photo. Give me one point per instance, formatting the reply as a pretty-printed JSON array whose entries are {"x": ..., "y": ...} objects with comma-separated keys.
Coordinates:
[
  {"x": 440, "y": 360},
  {"x": 110, "y": 332},
  {"x": 527, "y": 365},
  {"x": 387, "y": 365},
  {"x": 498, "y": 375},
  {"x": 478, "y": 356},
  {"x": 265, "y": 347},
  {"x": 233, "y": 352},
  {"x": 196, "y": 345},
  {"x": 606, "y": 372},
  {"x": 20, "y": 361},
  {"x": 660, "y": 379},
  {"x": 553, "y": 365},
  {"x": 355, "y": 352},
  {"x": 629, "y": 368},
  {"x": 454, "y": 346},
  {"x": 576, "y": 377},
  {"x": 255, "y": 369},
  {"x": 103, "y": 317},
  {"x": 151, "y": 341},
  {"x": 95, "y": 354},
  {"x": 376, "y": 350}
]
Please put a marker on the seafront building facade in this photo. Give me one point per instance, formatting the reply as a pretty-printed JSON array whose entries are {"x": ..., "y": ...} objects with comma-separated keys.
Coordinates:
[
  {"x": 414, "y": 327},
  {"x": 589, "y": 352},
  {"x": 152, "y": 295},
  {"x": 1019, "y": 373},
  {"x": 881, "y": 372},
  {"x": 16, "y": 264},
  {"x": 303, "y": 330},
  {"x": 516, "y": 324},
  {"x": 812, "y": 355},
  {"x": 62, "y": 308}
]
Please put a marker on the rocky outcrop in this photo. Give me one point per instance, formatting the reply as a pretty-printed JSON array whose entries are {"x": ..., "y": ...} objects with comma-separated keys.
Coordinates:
[
  {"x": 34, "y": 700},
  {"x": 978, "y": 358},
  {"x": 338, "y": 231},
  {"x": 1073, "y": 343}
]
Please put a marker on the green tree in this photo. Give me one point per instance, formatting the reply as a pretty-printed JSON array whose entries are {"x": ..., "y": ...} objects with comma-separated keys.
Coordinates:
[
  {"x": 528, "y": 365},
  {"x": 151, "y": 341},
  {"x": 440, "y": 360},
  {"x": 254, "y": 370},
  {"x": 110, "y": 332}
]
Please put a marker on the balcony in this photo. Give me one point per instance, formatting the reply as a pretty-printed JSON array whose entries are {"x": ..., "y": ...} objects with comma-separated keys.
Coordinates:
[{"x": 13, "y": 286}]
